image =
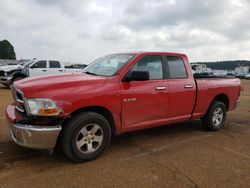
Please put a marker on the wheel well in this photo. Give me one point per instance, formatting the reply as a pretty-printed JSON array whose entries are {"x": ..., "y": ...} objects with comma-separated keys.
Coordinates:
[
  {"x": 100, "y": 110},
  {"x": 223, "y": 98},
  {"x": 17, "y": 75}
]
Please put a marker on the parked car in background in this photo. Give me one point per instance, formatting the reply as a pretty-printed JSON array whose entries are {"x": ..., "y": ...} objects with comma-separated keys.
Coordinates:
[
  {"x": 242, "y": 71},
  {"x": 239, "y": 75},
  {"x": 4, "y": 62},
  {"x": 6, "y": 70},
  {"x": 201, "y": 69},
  {"x": 247, "y": 77},
  {"x": 76, "y": 66},
  {"x": 230, "y": 74},
  {"x": 32, "y": 68},
  {"x": 115, "y": 94}
]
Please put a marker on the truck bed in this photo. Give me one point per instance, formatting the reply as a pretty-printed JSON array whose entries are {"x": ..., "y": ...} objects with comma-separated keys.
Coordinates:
[{"x": 207, "y": 89}]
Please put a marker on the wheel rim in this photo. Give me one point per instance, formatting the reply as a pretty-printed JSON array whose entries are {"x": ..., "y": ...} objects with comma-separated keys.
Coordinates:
[
  {"x": 89, "y": 138},
  {"x": 217, "y": 116}
]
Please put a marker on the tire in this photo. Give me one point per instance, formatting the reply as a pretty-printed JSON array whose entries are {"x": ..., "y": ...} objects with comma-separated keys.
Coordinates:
[
  {"x": 215, "y": 116},
  {"x": 85, "y": 136}
]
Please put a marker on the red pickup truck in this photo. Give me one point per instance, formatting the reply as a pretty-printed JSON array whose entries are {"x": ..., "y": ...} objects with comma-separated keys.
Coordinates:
[{"x": 115, "y": 94}]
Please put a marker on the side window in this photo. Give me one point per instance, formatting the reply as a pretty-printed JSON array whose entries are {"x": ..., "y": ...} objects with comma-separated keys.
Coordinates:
[
  {"x": 176, "y": 67},
  {"x": 152, "y": 64},
  {"x": 39, "y": 64},
  {"x": 54, "y": 64}
]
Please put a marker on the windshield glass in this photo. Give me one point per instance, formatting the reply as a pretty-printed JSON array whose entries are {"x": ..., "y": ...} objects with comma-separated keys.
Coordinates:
[
  {"x": 28, "y": 63},
  {"x": 108, "y": 65}
]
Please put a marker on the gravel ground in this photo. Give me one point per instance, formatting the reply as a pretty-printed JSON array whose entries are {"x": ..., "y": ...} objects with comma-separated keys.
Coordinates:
[{"x": 180, "y": 155}]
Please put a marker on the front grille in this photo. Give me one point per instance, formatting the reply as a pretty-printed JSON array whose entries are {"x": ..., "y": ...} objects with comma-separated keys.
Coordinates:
[
  {"x": 20, "y": 108},
  {"x": 19, "y": 100},
  {"x": 19, "y": 96}
]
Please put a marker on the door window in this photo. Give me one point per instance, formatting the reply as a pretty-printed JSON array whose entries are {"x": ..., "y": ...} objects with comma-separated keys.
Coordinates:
[
  {"x": 54, "y": 64},
  {"x": 176, "y": 67},
  {"x": 39, "y": 64},
  {"x": 152, "y": 64}
]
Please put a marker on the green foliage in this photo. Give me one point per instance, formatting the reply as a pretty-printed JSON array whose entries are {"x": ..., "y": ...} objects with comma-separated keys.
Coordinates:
[
  {"x": 7, "y": 50},
  {"x": 226, "y": 65}
]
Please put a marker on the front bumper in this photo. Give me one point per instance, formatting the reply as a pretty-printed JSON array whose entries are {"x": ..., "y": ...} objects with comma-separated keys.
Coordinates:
[
  {"x": 32, "y": 136},
  {"x": 6, "y": 80}
]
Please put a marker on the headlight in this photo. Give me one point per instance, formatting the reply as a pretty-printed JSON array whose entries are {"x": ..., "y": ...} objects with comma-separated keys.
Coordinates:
[{"x": 42, "y": 107}]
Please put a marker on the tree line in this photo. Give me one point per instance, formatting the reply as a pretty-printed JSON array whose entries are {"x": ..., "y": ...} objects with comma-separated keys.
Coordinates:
[
  {"x": 226, "y": 65},
  {"x": 7, "y": 51}
]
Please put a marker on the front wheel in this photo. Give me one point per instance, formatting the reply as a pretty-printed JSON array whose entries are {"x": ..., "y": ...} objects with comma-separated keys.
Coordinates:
[
  {"x": 85, "y": 136},
  {"x": 215, "y": 116}
]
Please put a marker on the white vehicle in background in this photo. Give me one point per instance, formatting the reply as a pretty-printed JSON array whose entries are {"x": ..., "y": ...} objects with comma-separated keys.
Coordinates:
[
  {"x": 247, "y": 77},
  {"x": 201, "y": 68},
  {"x": 33, "y": 68},
  {"x": 5, "y": 69},
  {"x": 242, "y": 71}
]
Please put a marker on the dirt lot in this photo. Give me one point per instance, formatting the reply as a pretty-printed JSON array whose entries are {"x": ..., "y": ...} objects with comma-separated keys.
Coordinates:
[{"x": 182, "y": 155}]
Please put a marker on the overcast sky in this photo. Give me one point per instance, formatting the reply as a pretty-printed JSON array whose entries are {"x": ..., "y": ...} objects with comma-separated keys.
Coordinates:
[{"x": 82, "y": 30}]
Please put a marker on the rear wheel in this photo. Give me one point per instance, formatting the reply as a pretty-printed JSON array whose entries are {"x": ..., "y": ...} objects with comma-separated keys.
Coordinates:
[
  {"x": 215, "y": 116},
  {"x": 85, "y": 136}
]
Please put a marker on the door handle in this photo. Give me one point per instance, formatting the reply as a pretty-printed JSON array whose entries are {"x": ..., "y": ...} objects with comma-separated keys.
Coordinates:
[
  {"x": 160, "y": 88},
  {"x": 60, "y": 70},
  {"x": 188, "y": 86},
  {"x": 44, "y": 70}
]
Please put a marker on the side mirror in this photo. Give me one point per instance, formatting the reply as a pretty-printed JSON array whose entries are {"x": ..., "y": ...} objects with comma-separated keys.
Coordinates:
[
  {"x": 137, "y": 76},
  {"x": 33, "y": 66}
]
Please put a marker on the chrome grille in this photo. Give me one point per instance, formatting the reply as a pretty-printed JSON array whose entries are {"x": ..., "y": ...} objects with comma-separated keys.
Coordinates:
[
  {"x": 20, "y": 108},
  {"x": 19, "y": 96},
  {"x": 19, "y": 100}
]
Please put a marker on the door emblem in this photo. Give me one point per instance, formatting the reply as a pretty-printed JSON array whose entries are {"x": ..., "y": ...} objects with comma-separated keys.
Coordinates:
[{"x": 129, "y": 100}]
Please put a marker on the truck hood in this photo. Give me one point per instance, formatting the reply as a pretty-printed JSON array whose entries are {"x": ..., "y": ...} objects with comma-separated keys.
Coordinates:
[
  {"x": 7, "y": 68},
  {"x": 43, "y": 84}
]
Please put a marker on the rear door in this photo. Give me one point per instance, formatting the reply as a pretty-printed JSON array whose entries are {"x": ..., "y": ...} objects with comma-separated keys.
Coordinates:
[
  {"x": 55, "y": 67},
  {"x": 181, "y": 87},
  {"x": 39, "y": 68},
  {"x": 144, "y": 103}
]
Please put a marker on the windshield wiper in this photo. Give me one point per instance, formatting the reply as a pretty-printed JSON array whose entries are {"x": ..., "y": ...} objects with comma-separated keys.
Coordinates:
[{"x": 91, "y": 73}]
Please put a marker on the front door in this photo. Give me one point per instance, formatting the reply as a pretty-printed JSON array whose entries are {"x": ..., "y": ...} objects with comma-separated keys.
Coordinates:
[
  {"x": 145, "y": 103},
  {"x": 39, "y": 68}
]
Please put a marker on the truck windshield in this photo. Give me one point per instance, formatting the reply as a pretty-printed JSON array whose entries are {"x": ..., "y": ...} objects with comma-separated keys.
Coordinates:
[
  {"x": 108, "y": 65},
  {"x": 27, "y": 63}
]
